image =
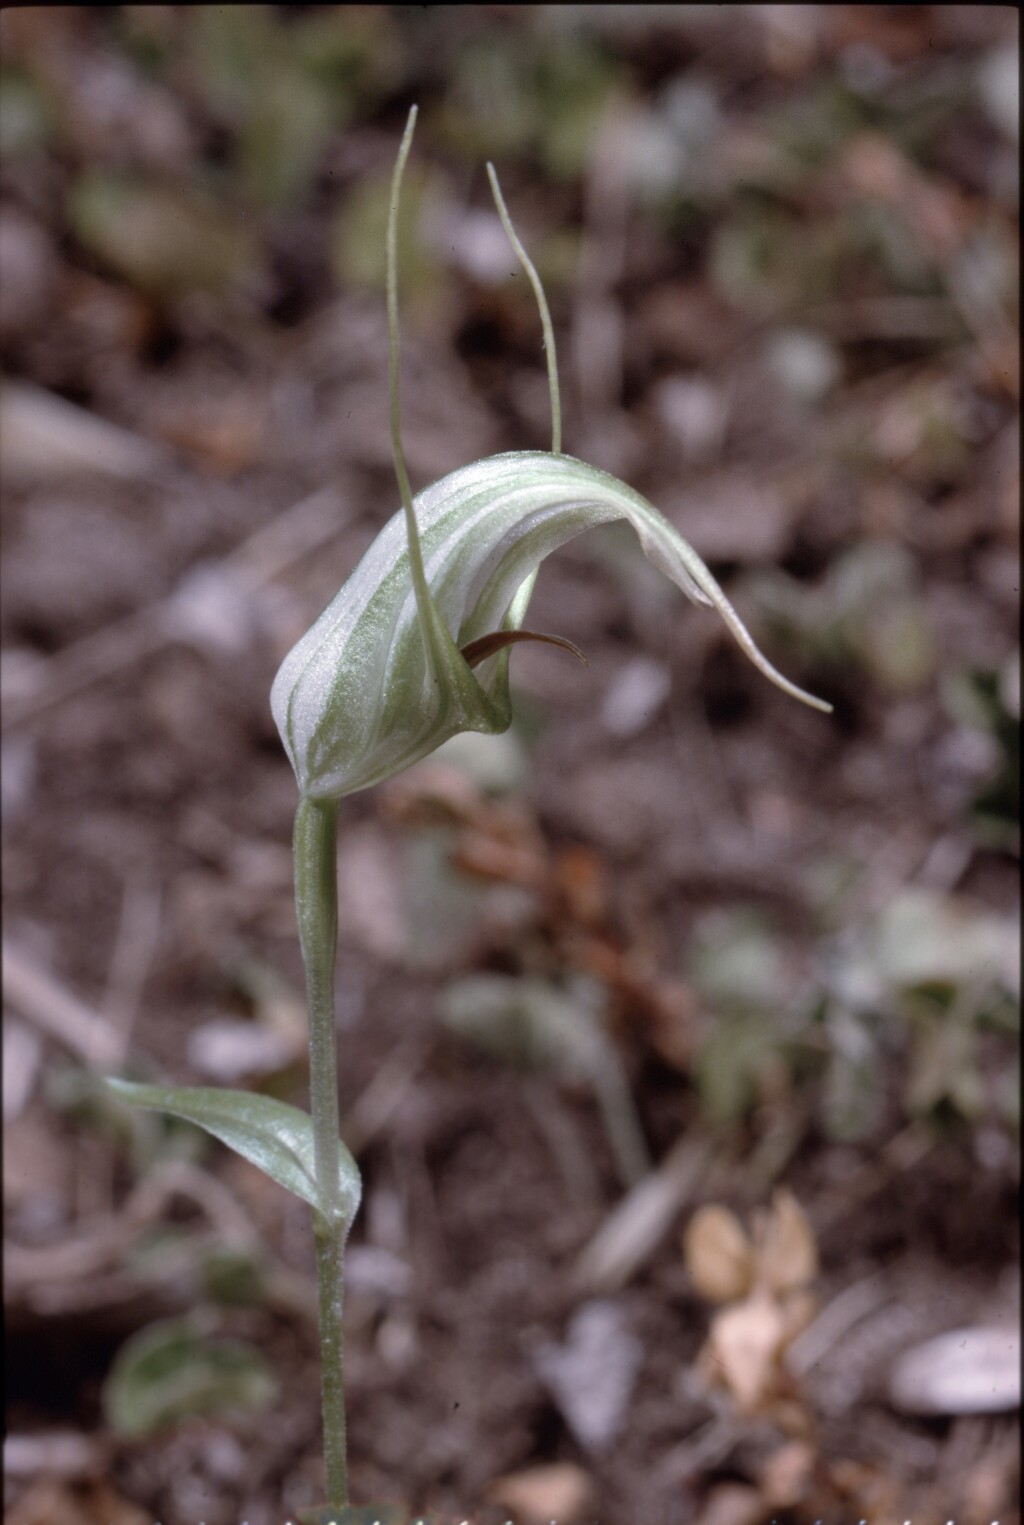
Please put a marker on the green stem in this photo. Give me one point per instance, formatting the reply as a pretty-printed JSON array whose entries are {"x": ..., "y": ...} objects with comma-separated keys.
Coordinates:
[
  {"x": 316, "y": 901},
  {"x": 542, "y": 302},
  {"x": 419, "y": 576},
  {"x": 330, "y": 1298}
]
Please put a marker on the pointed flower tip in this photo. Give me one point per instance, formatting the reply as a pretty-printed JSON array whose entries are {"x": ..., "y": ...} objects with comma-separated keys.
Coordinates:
[{"x": 811, "y": 700}]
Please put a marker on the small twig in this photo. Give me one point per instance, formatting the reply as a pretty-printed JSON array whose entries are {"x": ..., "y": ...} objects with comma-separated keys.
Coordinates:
[
  {"x": 702, "y": 1449},
  {"x": 635, "y": 1228},
  {"x": 835, "y": 1321},
  {"x": 218, "y": 1203},
  {"x": 568, "y": 1150},
  {"x": 104, "y": 1243},
  {"x": 138, "y": 935},
  {"x": 289, "y": 536},
  {"x": 47, "y": 1003},
  {"x": 55, "y": 1276},
  {"x": 903, "y": 1152},
  {"x": 378, "y": 1103},
  {"x": 87, "y": 661}
]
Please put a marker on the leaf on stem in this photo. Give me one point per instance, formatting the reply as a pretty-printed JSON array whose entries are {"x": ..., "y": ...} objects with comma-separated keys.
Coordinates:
[{"x": 268, "y": 1133}]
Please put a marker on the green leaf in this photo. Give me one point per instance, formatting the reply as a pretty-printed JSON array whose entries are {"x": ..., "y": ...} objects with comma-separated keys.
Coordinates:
[
  {"x": 922, "y": 938},
  {"x": 853, "y": 1094},
  {"x": 738, "y": 963},
  {"x": 732, "y": 1064},
  {"x": 167, "y": 240},
  {"x": 271, "y": 1134},
  {"x": 169, "y": 1371},
  {"x": 534, "y": 1025},
  {"x": 25, "y": 118}
]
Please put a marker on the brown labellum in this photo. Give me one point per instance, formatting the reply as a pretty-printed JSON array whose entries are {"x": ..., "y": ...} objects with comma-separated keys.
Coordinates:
[{"x": 486, "y": 645}]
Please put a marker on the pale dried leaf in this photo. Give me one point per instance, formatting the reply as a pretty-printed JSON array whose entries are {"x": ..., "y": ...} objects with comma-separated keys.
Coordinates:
[
  {"x": 787, "y": 1254},
  {"x": 53, "y": 1454},
  {"x": 732, "y": 1504},
  {"x": 968, "y": 1371},
  {"x": 559, "y": 1492},
  {"x": 744, "y": 1348},
  {"x": 634, "y": 1228},
  {"x": 230, "y": 1050},
  {"x": 718, "y": 1254},
  {"x": 788, "y": 1474},
  {"x": 635, "y": 696},
  {"x": 591, "y": 1376},
  {"x": 46, "y": 437}
]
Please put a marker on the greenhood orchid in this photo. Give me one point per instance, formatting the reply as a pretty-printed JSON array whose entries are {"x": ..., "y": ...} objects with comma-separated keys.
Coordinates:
[{"x": 415, "y": 646}]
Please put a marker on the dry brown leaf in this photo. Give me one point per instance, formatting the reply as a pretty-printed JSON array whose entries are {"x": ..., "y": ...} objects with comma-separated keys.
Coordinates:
[
  {"x": 743, "y": 1350},
  {"x": 559, "y": 1492},
  {"x": 993, "y": 1478},
  {"x": 718, "y": 1254},
  {"x": 484, "y": 856},
  {"x": 732, "y": 1504},
  {"x": 788, "y": 1473},
  {"x": 581, "y": 879},
  {"x": 672, "y": 1010},
  {"x": 786, "y": 1251},
  {"x": 871, "y": 1491},
  {"x": 53, "y": 1503},
  {"x": 225, "y": 434}
]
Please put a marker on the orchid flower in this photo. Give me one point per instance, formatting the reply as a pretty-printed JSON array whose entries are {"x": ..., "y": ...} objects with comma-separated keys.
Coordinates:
[{"x": 415, "y": 646}]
